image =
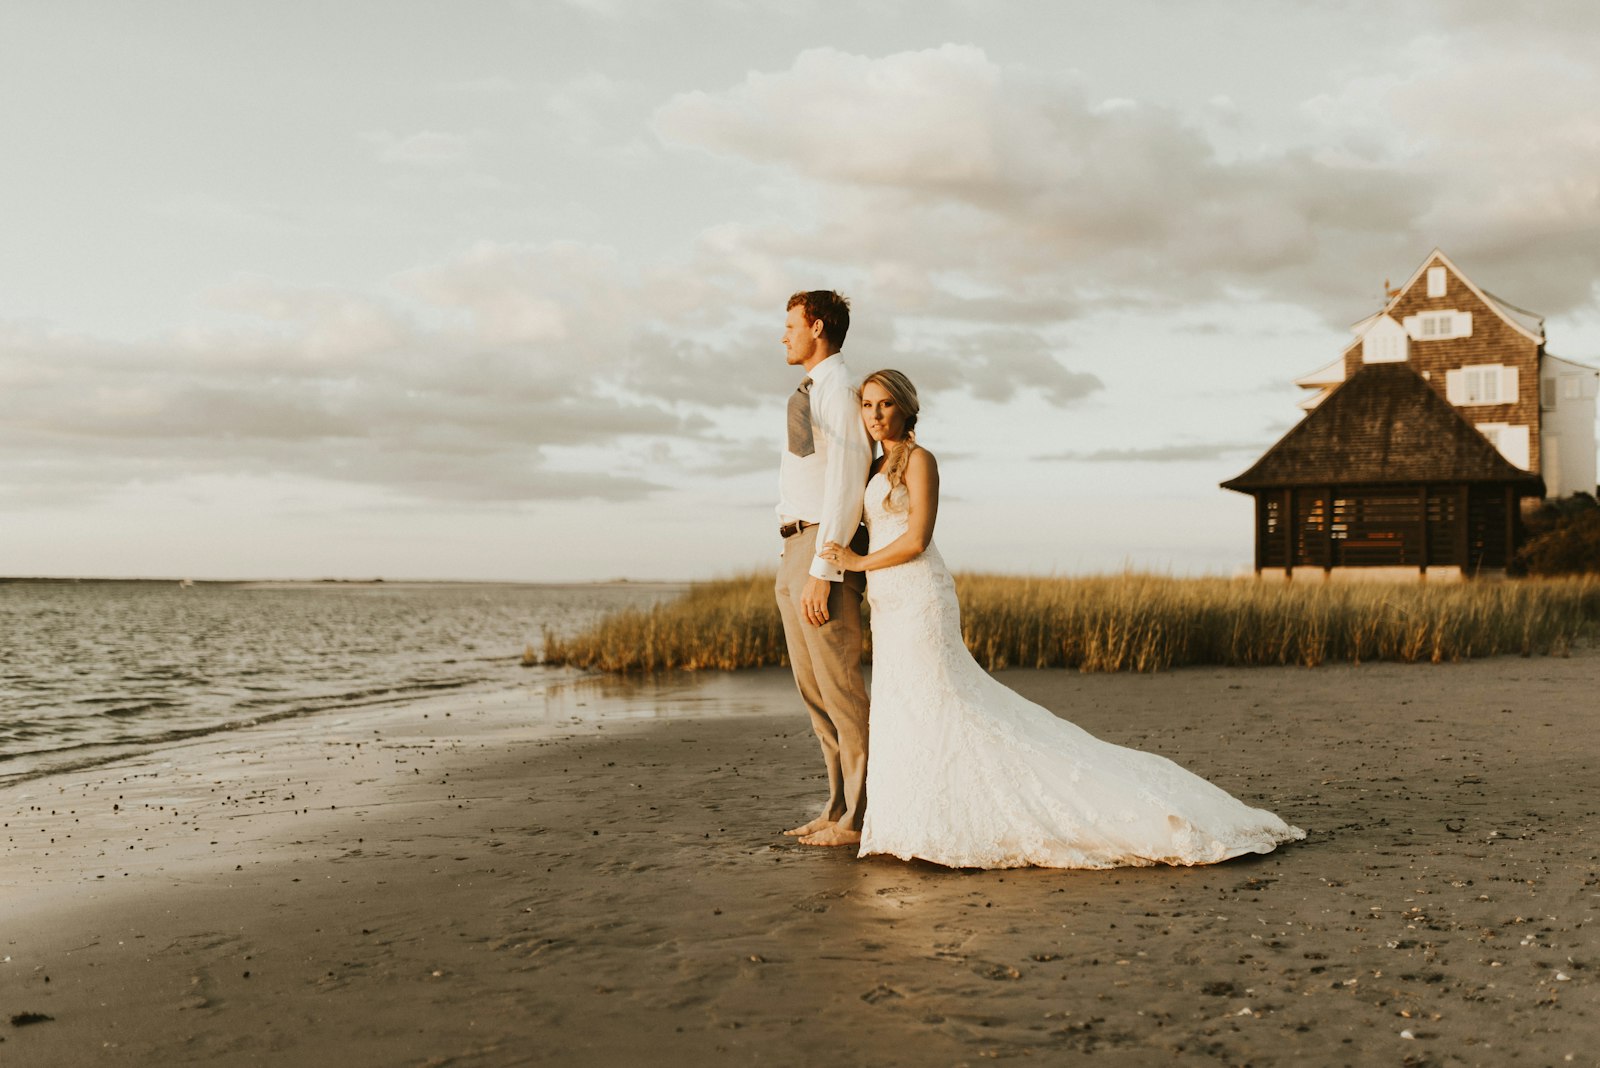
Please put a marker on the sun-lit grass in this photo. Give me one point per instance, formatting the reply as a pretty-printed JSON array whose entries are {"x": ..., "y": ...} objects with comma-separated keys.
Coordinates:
[
  {"x": 729, "y": 623},
  {"x": 1132, "y": 623}
]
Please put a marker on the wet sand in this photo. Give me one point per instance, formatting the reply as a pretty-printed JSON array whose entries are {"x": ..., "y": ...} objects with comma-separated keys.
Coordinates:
[{"x": 486, "y": 880}]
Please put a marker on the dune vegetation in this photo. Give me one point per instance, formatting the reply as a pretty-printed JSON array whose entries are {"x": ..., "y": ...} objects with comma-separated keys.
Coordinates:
[{"x": 1131, "y": 622}]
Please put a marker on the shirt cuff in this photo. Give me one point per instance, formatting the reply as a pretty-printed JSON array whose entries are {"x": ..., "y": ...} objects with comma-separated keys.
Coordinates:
[{"x": 821, "y": 569}]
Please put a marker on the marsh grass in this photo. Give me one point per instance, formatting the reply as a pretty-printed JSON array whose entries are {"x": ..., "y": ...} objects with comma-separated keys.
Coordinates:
[
  {"x": 726, "y": 624},
  {"x": 1132, "y": 622}
]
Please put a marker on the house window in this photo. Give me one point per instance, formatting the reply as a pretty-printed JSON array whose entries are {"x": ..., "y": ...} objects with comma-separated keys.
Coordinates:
[
  {"x": 1489, "y": 383},
  {"x": 1547, "y": 393},
  {"x": 1435, "y": 281},
  {"x": 1571, "y": 387},
  {"x": 1383, "y": 347},
  {"x": 1483, "y": 384},
  {"x": 1437, "y": 326}
]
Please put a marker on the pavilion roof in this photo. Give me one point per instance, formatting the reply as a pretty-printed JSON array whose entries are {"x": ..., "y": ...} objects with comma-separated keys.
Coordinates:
[{"x": 1384, "y": 424}]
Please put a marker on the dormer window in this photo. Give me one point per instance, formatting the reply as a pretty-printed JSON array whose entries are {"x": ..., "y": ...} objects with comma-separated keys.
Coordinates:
[
  {"x": 1435, "y": 281},
  {"x": 1439, "y": 326},
  {"x": 1384, "y": 342}
]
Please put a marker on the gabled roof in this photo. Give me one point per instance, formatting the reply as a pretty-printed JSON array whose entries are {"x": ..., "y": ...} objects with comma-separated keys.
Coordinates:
[
  {"x": 1383, "y": 425},
  {"x": 1528, "y": 324},
  {"x": 1531, "y": 323}
]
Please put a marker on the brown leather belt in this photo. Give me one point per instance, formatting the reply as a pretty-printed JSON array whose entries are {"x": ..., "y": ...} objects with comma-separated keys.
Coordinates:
[{"x": 789, "y": 530}]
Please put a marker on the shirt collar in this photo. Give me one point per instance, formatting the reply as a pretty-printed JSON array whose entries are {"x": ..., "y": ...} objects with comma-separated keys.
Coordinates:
[{"x": 830, "y": 365}]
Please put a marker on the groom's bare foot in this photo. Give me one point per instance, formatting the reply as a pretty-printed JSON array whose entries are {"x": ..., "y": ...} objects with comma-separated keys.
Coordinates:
[
  {"x": 813, "y": 827},
  {"x": 835, "y": 835}
]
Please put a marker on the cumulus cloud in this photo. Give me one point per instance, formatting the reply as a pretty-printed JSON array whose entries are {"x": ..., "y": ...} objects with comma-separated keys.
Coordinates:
[
  {"x": 457, "y": 386},
  {"x": 1507, "y": 141},
  {"x": 974, "y": 210},
  {"x": 998, "y": 363},
  {"x": 943, "y": 168}
]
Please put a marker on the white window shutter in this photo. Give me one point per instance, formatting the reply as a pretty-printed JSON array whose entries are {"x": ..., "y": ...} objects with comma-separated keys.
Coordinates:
[
  {"x": 1508, "y": 386},
  {"x": 1455, "y": 386},
  {"x": 1463, "y": 324},
  {"x": 1513, "y": 444}
]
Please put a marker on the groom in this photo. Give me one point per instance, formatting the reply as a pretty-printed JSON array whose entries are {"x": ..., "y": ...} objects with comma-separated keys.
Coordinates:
[{"x": 820, "y": 481}]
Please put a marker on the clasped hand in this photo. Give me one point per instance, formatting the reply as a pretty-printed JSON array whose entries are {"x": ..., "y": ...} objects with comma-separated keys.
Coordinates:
[{"x": 842, "y": 556}]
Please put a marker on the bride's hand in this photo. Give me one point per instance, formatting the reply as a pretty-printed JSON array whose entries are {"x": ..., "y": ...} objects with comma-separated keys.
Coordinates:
[{"x": 841, "y": 556}]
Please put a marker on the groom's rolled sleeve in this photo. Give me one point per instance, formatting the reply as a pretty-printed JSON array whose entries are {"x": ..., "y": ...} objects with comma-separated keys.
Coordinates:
[{"x": 836, "y": 419}]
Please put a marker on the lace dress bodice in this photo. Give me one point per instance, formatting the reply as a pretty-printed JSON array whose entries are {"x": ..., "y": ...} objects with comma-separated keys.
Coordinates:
[
  {"x": 966, "y": 772},
  {"x": 887, "y": 515}
]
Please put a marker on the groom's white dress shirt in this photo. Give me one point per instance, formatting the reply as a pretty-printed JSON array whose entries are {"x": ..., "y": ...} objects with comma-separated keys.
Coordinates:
[{"x": 825, "y": 488}]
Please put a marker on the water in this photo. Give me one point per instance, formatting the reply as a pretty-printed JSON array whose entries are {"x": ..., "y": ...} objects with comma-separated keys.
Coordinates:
[{"x": 92, "y": 670}]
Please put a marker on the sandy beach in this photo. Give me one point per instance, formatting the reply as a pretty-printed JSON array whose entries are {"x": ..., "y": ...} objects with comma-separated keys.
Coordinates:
[{"x": 590, "y": 873}]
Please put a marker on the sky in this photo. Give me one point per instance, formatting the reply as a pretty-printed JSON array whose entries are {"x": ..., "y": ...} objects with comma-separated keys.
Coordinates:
[{"x": 495, "y": 290}]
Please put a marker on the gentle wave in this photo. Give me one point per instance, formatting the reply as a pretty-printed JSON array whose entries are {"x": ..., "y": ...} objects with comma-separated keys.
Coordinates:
[
  {"x": 63, "y": 760},
  {"x": 98, "y": 670}
]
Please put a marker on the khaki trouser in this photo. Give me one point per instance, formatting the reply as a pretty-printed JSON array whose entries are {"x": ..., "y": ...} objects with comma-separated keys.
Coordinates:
[{"x": 827, "y": 671}]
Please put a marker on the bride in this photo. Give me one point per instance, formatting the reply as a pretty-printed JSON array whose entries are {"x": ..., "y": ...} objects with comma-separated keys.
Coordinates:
[{"x": 967, "y": 773}]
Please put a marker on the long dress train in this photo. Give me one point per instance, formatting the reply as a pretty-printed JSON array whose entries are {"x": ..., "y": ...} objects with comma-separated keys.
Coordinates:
[{"x": 968, "y": 773}]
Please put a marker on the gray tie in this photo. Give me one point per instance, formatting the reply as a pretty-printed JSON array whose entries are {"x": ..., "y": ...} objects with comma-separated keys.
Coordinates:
[{"x": 801, "y": 442}]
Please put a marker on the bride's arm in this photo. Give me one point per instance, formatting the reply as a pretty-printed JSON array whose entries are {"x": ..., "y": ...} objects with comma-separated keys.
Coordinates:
[{"x": 922, "y": 489}]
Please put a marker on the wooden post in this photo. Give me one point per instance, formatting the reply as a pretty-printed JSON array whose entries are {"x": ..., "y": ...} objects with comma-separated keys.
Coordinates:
[
  {"x": 1327, "y": 527},
  {"x": 1423, "y": 501},
  {"x": 1463, "y": 538},
  {"x": 1290, "y": 530},
  {"x": 1261, "y": 531},
  {"x": 1511, "y": 524}
]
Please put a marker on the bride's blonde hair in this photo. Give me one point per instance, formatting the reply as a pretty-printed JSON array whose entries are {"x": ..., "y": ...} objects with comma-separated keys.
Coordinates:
[{"x": 904, "y": 396}]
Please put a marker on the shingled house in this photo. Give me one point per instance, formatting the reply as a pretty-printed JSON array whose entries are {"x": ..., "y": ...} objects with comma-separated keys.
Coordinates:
[{"x": 1424, "y": 441}]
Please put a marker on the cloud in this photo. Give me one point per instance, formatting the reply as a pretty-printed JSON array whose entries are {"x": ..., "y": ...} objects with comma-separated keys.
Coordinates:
[
  {"x": 507, "y": 373},
  {"x": 427, "y": 148},
  {"x": 1002, "y": 192},
  {"x": 996, "y": 364},
  {"x": 975, "y": 211},
  {"x": 1508, "y": 142},
  {"x": 456, "y": 385},
  {"x": 600, "y": 113}
]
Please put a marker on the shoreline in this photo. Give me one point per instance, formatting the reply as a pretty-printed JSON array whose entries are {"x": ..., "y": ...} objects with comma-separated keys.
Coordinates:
[{"x": 592, "y": 874}]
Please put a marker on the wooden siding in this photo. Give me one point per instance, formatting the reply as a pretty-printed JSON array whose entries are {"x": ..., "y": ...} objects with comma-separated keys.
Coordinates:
[{"x": 1493, "y": 340}]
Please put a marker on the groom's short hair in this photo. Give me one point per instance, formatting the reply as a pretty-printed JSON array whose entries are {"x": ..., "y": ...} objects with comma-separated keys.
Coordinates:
[{"x": 830, "y": 307}]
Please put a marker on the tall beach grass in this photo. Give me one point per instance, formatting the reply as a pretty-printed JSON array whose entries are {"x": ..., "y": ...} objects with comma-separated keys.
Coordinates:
[{"x": 1132, "y": 622}]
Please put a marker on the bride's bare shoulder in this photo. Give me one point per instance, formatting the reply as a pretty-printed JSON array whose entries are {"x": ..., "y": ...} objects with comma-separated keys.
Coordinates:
[{"x": 921, "y": 462}]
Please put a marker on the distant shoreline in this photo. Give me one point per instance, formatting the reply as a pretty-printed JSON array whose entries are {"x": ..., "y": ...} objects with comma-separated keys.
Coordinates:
[{"x": 326, "y": 583}]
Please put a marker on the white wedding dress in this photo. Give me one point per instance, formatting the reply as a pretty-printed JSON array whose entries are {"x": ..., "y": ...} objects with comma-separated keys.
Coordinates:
[{"x": 965, "y": 772}]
